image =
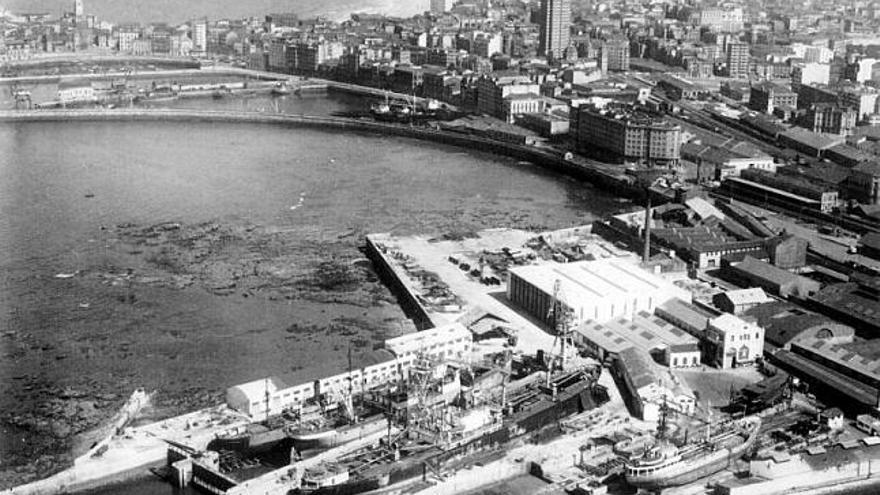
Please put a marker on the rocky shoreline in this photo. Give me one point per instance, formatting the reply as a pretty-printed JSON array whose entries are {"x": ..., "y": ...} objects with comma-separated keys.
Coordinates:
[
  {"x": 113, "y": 326},
  {"x": 249, "y": 260}
]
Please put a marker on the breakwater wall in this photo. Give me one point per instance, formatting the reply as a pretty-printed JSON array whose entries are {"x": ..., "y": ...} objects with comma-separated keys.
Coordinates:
[
  {"x": 544, "y": 157},
  {"x": 377, "y": 251}
]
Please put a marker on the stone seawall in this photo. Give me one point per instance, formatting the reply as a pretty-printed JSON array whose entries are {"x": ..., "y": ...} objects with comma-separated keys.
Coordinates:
[{"x": 407, "y": 298}]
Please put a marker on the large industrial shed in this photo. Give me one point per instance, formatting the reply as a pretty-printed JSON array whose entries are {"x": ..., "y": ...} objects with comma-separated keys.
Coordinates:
[{"x": 598, "y": 290}]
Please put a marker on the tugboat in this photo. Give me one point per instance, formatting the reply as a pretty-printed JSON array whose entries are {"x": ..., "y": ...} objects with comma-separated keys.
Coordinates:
[
  {"x": 280, "y": 89},
  {"x": 403, "y": 111},
  {"x": 666, "y": 465}
]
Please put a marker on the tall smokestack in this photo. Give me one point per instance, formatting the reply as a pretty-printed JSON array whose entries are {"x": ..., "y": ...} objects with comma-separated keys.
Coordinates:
[{"x": 647, "y": 253}]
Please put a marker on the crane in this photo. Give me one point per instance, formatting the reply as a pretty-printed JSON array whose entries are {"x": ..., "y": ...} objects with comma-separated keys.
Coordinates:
[{"x": 559, "y": 315}]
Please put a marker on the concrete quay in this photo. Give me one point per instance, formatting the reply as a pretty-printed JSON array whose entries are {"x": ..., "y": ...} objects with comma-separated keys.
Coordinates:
[
  {"x": 130, "y": 454},
  {"x": 296, "y": 82},
  {"x": 397, "y": 259}
]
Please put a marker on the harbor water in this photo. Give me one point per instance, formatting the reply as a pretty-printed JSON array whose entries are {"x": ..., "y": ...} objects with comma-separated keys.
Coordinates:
[{"x": 78, "y": 333}]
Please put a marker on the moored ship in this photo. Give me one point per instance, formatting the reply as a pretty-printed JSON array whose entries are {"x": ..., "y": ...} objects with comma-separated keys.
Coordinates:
[
  {"x": 665, "y": 465},
  {"x": 424, "y": 429}
]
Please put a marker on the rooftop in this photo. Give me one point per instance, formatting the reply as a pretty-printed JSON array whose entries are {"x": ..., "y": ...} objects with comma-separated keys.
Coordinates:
[
  {"x": 684, "y": 312},
  {"x": 870, "y": 240},
  {"x": 854, "y": 389},
  {"x": 783, "y": 322},
  {"x": 866, "y": 366},
  {"x": 849, "y": 299},
  {"x": 815, "y": 140},
  {"x": 644, "y": 331},
  {"x": 764, "y": 271},
  {"x": 639, "y": 366},
  {"x": 729, "y": 323},
  {"x": 594, "y": 280},
  {"x": 754, "y": 295}
]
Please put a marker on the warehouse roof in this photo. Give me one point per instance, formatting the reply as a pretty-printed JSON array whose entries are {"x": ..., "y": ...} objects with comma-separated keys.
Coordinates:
[
  {"x": 754, "y": 295},
  {"x": 815, "y": 140},
  {"x": 645, "y": 332},
  {"x": 426, "y": 338},
  {"x": 256, "y": 390},
  {"x": 764, "y": 271},
  {"x": 803, "y": 366},
  {"x": 639, "y": 366},
  {"x": 603, "y": 337},
  {"x": 683, "y": 312},
  {"x": 850, "y": 300},
  {"x": 864, "y": 365},
  {"x": 596, "y": 280},
  {"x": 784, "y": 322}
]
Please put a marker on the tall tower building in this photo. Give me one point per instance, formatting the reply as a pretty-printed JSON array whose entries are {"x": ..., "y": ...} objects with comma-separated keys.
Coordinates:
[
  {"x": 78, "y": 12},
  {"x": 200, "y": 37},
  {"x": 618, "y": 54},
  {"x": 738, "y": 60},
  {"x": 555, "y": 27},
  {"x": 439, "y": 6}
]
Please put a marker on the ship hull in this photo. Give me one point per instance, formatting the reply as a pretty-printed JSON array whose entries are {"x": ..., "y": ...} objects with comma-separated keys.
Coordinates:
[
  {"x": 350, "y": 488},
  {"x": 685, "y": 472},
  {"x": 326, "y": 439},
  {"x": 670, "y": 479},
  {"x": 250, "y": 444}
]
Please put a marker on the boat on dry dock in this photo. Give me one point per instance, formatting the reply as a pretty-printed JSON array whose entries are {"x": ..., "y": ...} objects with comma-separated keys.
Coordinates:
[
  {"x": 428, "y": 423},
  {"x": 665, "y": 464}
]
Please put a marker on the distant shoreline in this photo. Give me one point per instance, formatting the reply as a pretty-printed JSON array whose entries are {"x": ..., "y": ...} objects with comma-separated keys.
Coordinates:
[{"x": 123, "y": 11}]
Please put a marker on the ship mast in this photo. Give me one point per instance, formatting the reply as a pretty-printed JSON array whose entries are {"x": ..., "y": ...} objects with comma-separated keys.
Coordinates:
[
  {"x": 662, "y": 426},
  {"x": 709, "y": 423},
  {"x": 267, "y": 398},
  {"x": 349, "y": 400}
]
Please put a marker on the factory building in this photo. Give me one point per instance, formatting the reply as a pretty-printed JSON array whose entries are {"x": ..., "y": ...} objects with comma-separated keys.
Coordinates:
[
  {"x": 647, "y": 386},
  {"x": 704, "y": 247},
  {"x": 741, "y": 300},
  {"x": 842, "y": 359},
  {"x": 776, "y": 281},
  {"x": 452, "y": 341},
  {"x": 799, "y": 186},
  {"x": 785, "y": 324},
  {"x": 732, "y": 341},
  {"x": 270, "y": 396},
  {"x": 598, "y": 290},
  {"x": 685, "y": 316},
  {"x": 856, "y": 303},
  {"x": 648, "y": 333}
]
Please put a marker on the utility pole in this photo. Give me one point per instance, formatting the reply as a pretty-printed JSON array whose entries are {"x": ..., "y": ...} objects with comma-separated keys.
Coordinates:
[{"x": 647, "y": 253}]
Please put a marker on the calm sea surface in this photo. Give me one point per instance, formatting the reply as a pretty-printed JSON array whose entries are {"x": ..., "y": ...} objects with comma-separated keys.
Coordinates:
[{"x": 63, "y": 188}]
